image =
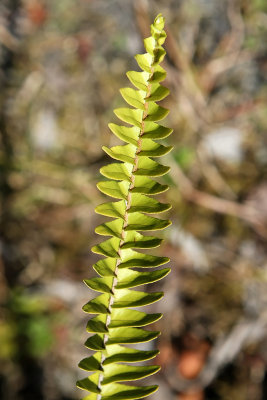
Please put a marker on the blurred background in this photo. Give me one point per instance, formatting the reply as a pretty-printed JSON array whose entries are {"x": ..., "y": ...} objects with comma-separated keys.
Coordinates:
[{"x": 61, "y": 65}]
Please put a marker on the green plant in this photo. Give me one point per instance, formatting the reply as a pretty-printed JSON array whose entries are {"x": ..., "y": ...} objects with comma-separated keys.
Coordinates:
[{"x": 130, "y": 181}]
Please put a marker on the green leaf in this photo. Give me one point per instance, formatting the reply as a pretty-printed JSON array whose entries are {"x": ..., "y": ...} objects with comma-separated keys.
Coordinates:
[
  {"x": 90, "y": 383},
  {"x": 159, "y": 73},
  {"x": 153, "y": 149},
  {"x": 115, "y": 391},
  {"x": 133, "y": 97},
  {"x": 158, "y": 92},
  {"x": 129, "y": 278},
  {"x": 144, "y": 61},
  {"x": 118, "y": 171},
  {"x": 99, "y": 305},
  {"x": 158, "y": 35},
  {"x": 131, "y": 318},
  {"x": 92, "y": 363},
  {"x": 146, "y": 185},
  {"x": 97, "y": 324},
  {"x": 155, "y": 112},
  {"x": 103, "y": 284},
  {"x": 131, "y": 258},
  {"x": 122, "y": 153},
  {"x": 113, "y": 228},
  {"x": 150, "y": 44},
  {"x": 109, "y": 248},
  {"x": 126, "y": 133},
  {"x": 155, "y": 131},
  {"x": 131, "y": 335},
  {"x": 121, "y": 318},
  {"x": 123, "y": 298},
  {"x": 118, "y": 190},
  {"x": 141, "y": 203},
  {"x": 132, "y": 298},
  {"x": 158, "y": 24},
  {"x": 92, "y": 396},
  {"x": 159, "y": 55},
  {"x": 112, "y": 209},
  {"x": 95, "y": 342},
  {"x": 140, "y": 222},
  {"x": 120, "y": 373},
  {"x": 147, "y": 167},
  {"x": 105, "y": 267},
  {"x": 137, "y": 241},
  {"x": 139, "y": 79},
  {"x": 117, "y": 353},
  {"x": 130, "y": 115}
]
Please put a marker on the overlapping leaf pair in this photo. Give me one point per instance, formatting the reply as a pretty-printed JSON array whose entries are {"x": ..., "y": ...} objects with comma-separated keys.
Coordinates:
[{"x": 130, "y": 182}]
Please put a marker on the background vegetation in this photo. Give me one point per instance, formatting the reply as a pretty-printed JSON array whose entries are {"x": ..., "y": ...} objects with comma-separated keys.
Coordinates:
[{"x": 61, "y": 65}]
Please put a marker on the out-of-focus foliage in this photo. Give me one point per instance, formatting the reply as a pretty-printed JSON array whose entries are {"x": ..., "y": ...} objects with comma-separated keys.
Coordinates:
[{"x": 61, "y": 65}]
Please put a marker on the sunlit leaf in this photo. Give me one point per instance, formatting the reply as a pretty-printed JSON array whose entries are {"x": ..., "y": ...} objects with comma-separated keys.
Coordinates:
[
  {"x": 139, "y": 79},
  {"x": 114, "y": 322},
  {"x": 144, "y": 61},
  {"x": 122, "y": 153},
  {"x": 133, "y": 97},
  {"x": 118, "y": 171}
]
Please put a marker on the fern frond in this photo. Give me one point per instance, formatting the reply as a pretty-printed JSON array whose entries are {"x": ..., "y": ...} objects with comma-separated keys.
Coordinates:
[{"x": 130, "y": 182}]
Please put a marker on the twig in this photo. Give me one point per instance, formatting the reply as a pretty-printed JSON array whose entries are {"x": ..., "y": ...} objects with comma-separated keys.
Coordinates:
[
  {"x": 229, "y": 47},
  {"x": 219, "y": 205},
  {"x": 7, "y": 39},
  {"x": 212, "y": 174}
]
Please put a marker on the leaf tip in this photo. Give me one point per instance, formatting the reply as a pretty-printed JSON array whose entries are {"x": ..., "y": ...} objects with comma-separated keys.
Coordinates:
[{"x": 159, "y": 21}]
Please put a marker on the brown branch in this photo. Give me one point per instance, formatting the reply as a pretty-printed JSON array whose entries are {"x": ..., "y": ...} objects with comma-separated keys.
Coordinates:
[
  {"x": 7, "y": 39},
  {"x": 222, "y": 206},
  {"x": 230, "y": 48}
]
